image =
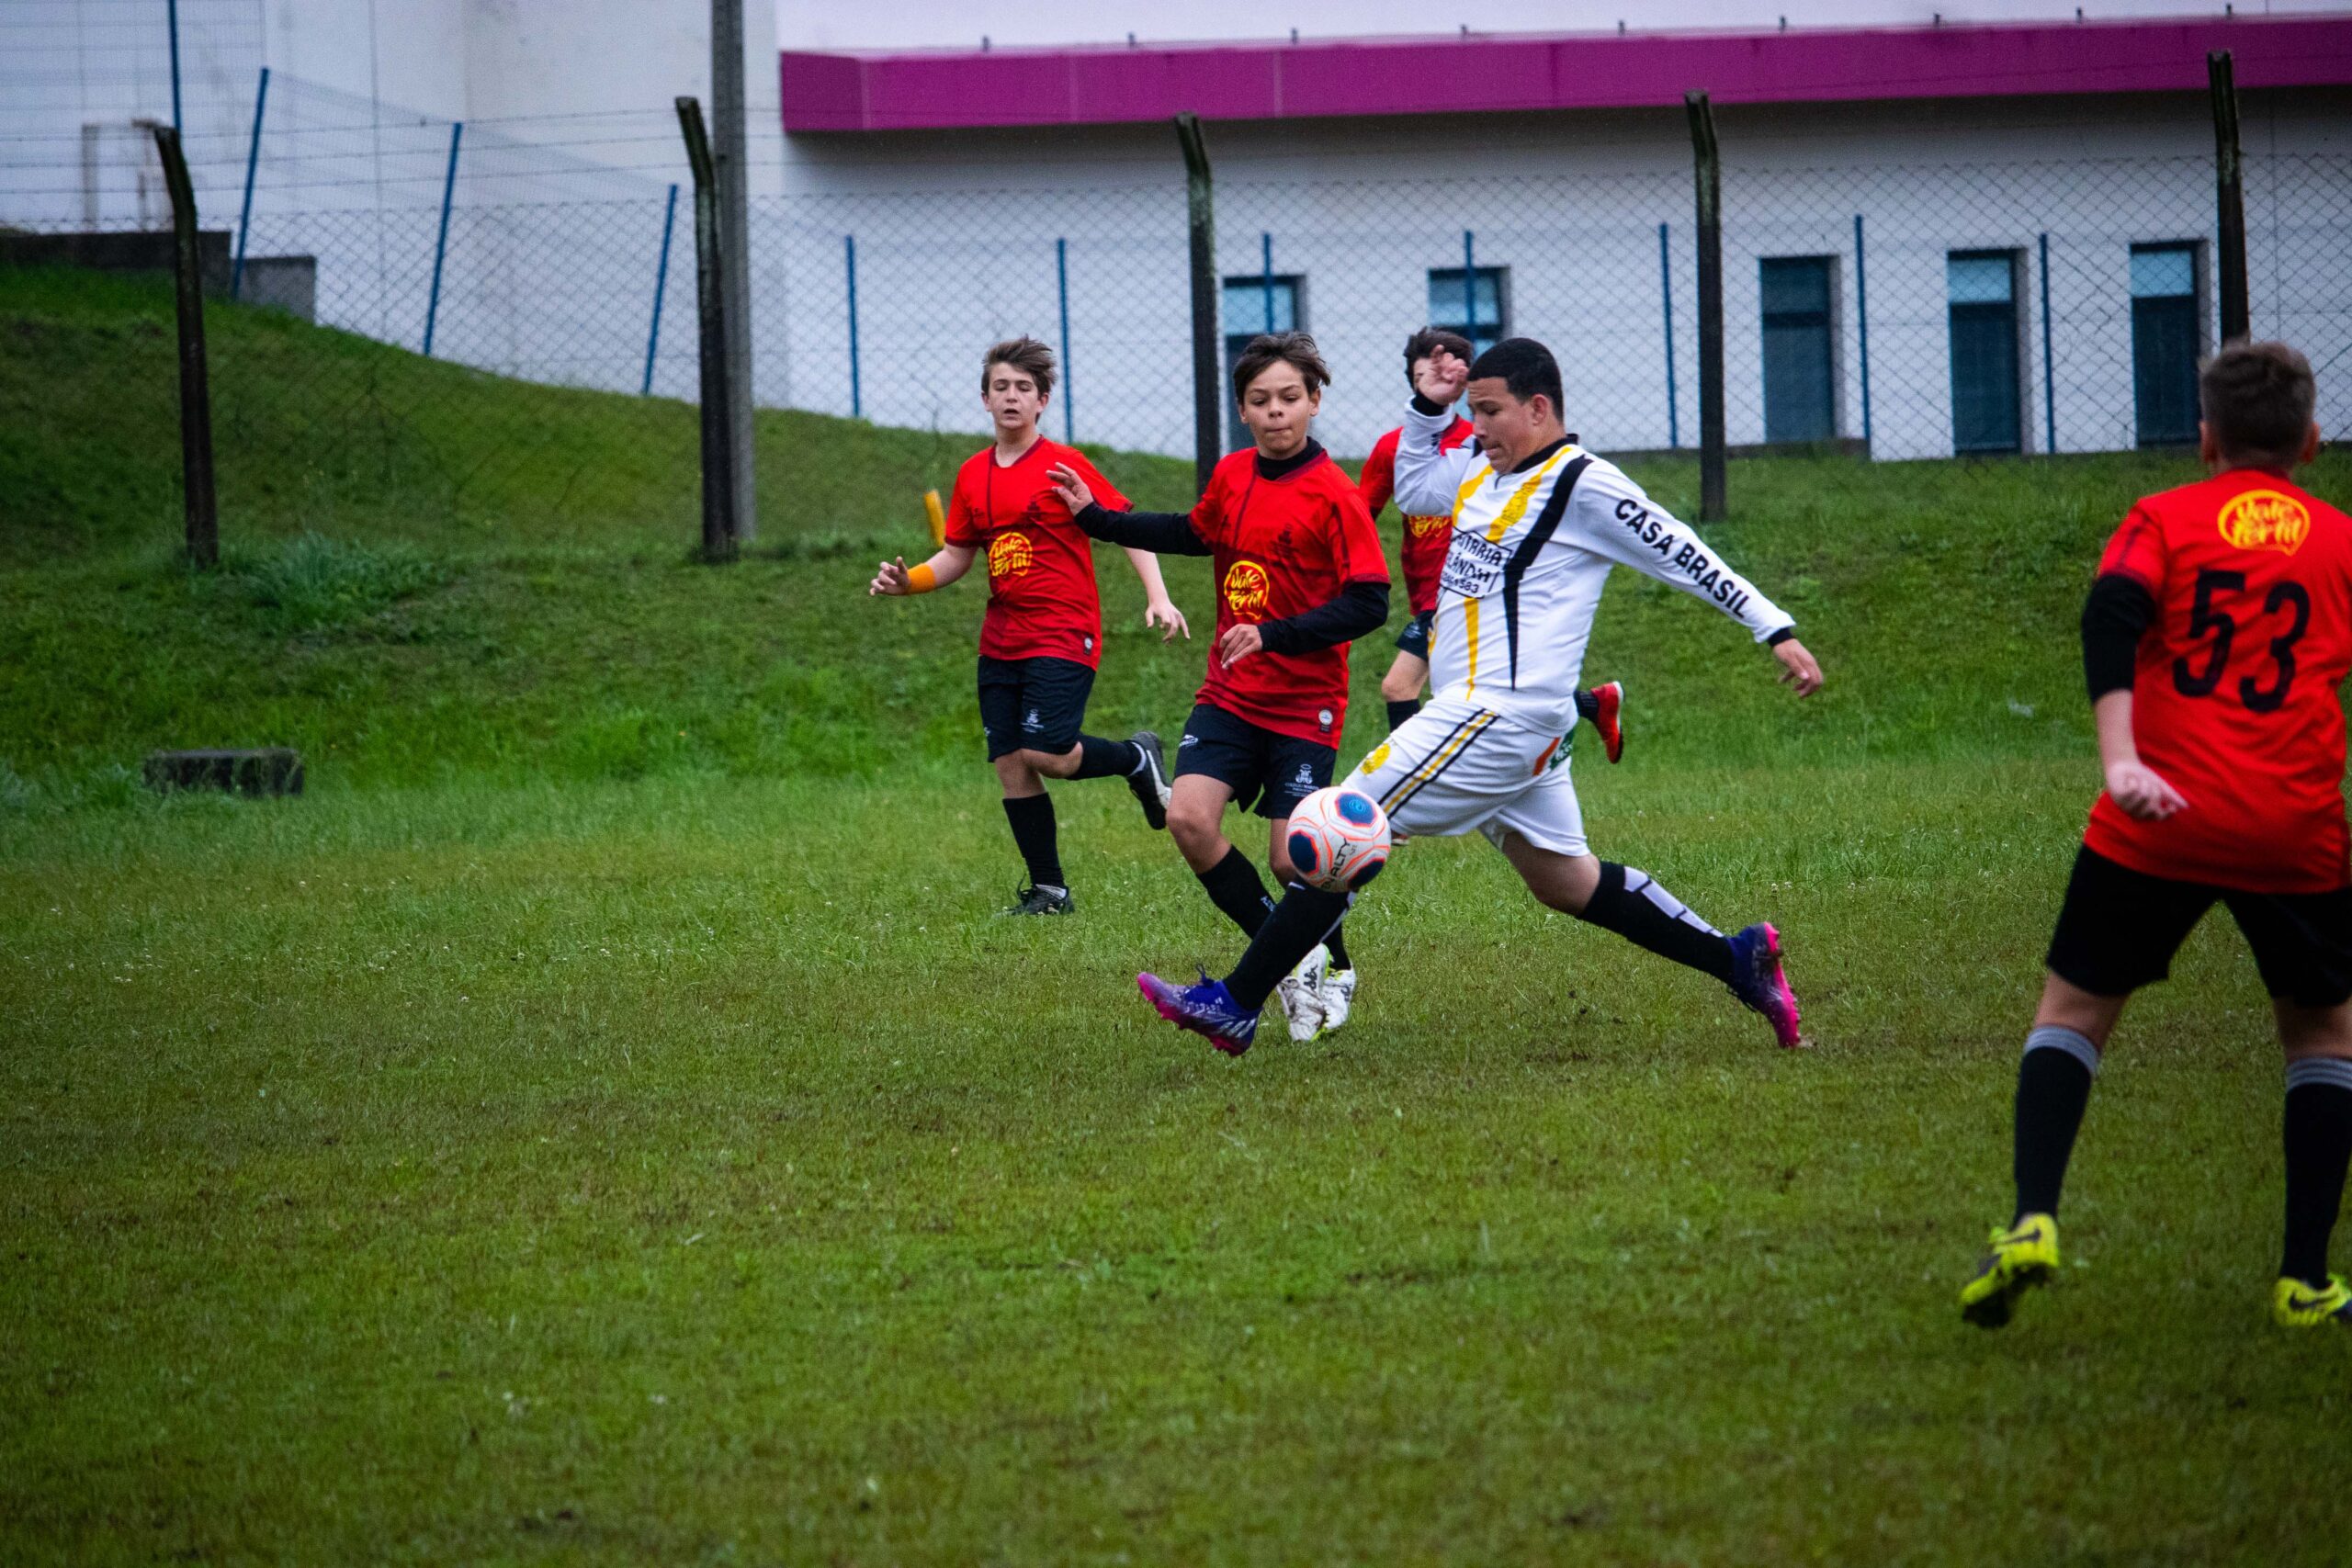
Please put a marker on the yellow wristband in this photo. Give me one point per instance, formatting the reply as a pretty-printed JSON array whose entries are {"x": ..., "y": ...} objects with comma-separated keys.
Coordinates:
[{"x": 921, "y": 579}]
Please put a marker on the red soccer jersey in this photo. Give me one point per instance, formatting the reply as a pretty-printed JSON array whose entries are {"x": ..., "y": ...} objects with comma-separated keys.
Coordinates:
[
  {"x": 1426, "y": 538},
  {"x": 1042, "y": 600},
  {"x": 1281, "y": 546},
  {"x": 2235, "y": 699}
]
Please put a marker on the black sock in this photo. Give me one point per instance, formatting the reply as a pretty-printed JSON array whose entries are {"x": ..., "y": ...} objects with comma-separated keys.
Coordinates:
[
  {"x": 1101, "y": 759},
  {"x": 1587, "y": 705},
  {"x": 1399, "y": 711},
  {"x": 1032, "y": 817},
  {"x": 1632, "y": 904},
  {"x": 1337, "y": 943},
  {"x": 1304, "y": 917},
  {"x": 2053, "y": 1087},
  {"x": 2319, "y": 1147},
  {"x": 1234, "y": 886}
]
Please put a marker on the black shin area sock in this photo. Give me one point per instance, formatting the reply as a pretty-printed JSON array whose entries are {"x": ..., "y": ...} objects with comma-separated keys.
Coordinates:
[
  {"x": 2319, "y": 1147},
  {"x": 1399, "y": 711},
  {"x": 1632, "y": 904},
  {"x": 1304, "y": 917},
  {"x": 2053, "y": 1087},
  {"x": 1234, "y": 886},
  {"x": 1101, "y": 759},
  {"x": 1032, "y": 817},
  {"x": 1337, "y": 943}
]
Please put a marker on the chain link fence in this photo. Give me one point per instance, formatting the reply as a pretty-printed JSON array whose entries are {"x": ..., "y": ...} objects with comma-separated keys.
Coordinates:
[{"x": 497, "y": 320}]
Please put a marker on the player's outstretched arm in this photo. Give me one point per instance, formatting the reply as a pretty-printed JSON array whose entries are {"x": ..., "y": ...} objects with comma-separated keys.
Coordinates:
[
  {"x": 1159, "y": 609},
  {"x": 897, "y": 579},
  {"x": 1426, "y": 479},
  {"x": 1616, "y": 518},
  {"x": 1161, "y": 533}
]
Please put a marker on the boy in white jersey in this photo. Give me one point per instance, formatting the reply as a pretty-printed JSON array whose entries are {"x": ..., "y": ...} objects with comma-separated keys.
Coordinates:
[{"x": 1538, "y": 524}]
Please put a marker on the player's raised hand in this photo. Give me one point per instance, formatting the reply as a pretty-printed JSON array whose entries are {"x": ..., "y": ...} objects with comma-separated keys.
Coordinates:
[
  {"x": 1238, "y": 643},
  {"x": 1799, "y": 669},
  {"x": 1070, "y": 487},
  {"x": 1164, "y": 613},
  {"x": 1442, "y": 377},
  {"x": 2141, "y": 792},
  {"x": 891, "y": 580}
]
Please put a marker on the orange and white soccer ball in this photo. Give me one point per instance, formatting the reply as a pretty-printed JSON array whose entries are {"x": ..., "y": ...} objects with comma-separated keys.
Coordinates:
[{"x": 1339, "y": 839}]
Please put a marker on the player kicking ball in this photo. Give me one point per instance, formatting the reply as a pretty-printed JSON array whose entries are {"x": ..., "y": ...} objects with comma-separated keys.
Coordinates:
[
  {"x": 1041, "y": 640},
  {"x": 1538, "y": 526},
  {"x": 1299, "y": 575},
  {"x": 2214, "y": 642},
  {"x": 1424, "y": 541}
]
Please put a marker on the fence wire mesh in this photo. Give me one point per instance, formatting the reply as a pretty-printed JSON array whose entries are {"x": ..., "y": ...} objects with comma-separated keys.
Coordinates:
[{"x": 506, "y": 311}]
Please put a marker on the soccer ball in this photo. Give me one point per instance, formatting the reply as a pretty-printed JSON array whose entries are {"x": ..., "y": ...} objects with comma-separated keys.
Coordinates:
[{"x": 1339, "y": 839}]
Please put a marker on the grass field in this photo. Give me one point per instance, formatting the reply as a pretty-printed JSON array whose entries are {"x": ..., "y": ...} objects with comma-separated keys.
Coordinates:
[{"x": 603, "y": 1122}]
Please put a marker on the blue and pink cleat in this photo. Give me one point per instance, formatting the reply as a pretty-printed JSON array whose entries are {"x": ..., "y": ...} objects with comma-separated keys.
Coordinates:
[
  {"x": 1207, "y": 1010},
  {"x": 1757, "y": 979}
]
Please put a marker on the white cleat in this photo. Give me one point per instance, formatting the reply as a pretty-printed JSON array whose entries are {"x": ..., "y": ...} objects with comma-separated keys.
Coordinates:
[
  {"x": 1338, "y": 995},
  {"x": 1300, "y": 994}
]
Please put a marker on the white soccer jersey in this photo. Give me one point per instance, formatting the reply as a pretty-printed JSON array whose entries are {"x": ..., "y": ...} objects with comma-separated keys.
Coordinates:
[{"x": 1529, "y": 554}]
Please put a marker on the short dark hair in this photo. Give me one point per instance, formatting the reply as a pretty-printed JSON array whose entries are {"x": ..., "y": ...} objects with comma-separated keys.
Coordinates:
[
  {"x": 1026, "y": 355},
  {"x": 1294, "y": 349},
  {"x": 1525, "y": 367},
  {"x": 1429, "y": 340},
  {"x": 2258, "y": 399}
]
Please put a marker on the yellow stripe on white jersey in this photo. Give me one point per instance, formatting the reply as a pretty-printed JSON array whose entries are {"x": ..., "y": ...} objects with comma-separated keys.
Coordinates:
[
  {"x": 1437, "y": 761},
  {"x": 1513, "y": 510}
]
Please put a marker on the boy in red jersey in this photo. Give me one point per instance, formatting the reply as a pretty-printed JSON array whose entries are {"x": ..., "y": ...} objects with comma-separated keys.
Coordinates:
[
  {"x": 1424, "y": 540},
  {"x": 2214, "y": 642},
  {"x": 1299, "y": 574},
  {"x": 1041, "y": 640}
]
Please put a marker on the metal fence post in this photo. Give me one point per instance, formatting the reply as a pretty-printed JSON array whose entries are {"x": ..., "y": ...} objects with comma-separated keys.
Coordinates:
[
  {"x": 728, "y": 152},
  {"x": 849, "y": 265},
  {"x": 717, "y": 422},
  {"x": 2230, "y": 223},
  {"x": 2048, "y": 368},
  {"x": 1061, "y": 284},
  {"x": 195, "y": 395},
  {"x": 1266, "y": 254},
  {"x": 1470, "y": 288},
  {"x": 1665, "y": 296},
  {"x": 441, "y": 244},
  {"x": 661, "y": 287},
  {"x": 246, "y": 213},
  {"x": 172, "y": 23},
  {"x": 1708, "y": 170},
  {"x": 1863, "y": 329},
  {"x": 1200, "y": 212}
]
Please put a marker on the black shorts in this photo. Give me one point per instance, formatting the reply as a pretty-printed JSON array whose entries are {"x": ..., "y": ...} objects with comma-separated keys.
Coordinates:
[
  {"x": 1038, "y": 704},
  {"x": 2120, "y": 928},
  {"x": 1275, "y": 771},
  {"x": 1415, "y": 638}
]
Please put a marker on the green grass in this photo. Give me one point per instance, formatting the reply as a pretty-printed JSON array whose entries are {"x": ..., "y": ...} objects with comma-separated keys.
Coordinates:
[{"x": 601, "y": 1121}]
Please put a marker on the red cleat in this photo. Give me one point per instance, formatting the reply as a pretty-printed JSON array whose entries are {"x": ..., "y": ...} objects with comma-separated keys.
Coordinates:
[{"x": 1609, "y": 702}]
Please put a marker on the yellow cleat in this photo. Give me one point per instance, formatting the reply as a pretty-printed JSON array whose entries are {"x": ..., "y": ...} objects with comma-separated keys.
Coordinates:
[
  {"x": 2023, "y": 1256},
  {"x": 2298, "y": 1306}
]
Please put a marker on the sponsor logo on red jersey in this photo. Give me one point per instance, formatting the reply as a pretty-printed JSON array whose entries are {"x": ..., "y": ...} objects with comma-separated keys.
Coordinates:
[
  {"x": 1009, "y": 555},
  {"x": 1247, "y": 588},
  {"x": 2265, "y": 520}
]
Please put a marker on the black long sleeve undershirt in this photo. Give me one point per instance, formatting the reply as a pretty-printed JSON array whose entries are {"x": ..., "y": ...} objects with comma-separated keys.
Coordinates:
[
  {"x": 1361, "y": 607},
  {"x": 1162, "y": 533},
  {"x": 2118, "y": 609}
]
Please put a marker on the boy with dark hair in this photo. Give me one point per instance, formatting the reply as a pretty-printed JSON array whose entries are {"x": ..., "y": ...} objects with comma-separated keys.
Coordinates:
[
  {"x": 1041, "y": 640},
  {"x": 2214, "y": 642},
  {"x": 1299, "y": 574},
  {"x": 1538, "y": 526},
  {"x": 1424, "y": 541}
]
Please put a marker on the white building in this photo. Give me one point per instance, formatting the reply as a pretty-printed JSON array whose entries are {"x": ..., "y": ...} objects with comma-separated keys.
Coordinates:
[{"x": 1971, "y": 227}]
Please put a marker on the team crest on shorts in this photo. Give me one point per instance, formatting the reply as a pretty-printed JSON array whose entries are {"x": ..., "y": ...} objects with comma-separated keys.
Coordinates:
[
  {"x": 2265, "y": 520},
  {"x": 1009, "y": 555},
  {"x": 1247, "y": 588}
]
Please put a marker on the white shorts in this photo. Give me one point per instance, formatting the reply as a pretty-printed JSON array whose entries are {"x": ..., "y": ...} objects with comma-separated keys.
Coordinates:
[{"x": 1458, "y": 768}]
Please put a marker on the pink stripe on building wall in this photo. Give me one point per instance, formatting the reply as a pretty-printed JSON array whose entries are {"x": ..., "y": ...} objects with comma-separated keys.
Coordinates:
[{"x": 1405, "y": 76}]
